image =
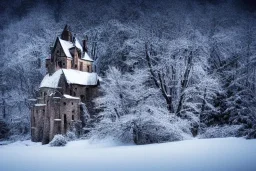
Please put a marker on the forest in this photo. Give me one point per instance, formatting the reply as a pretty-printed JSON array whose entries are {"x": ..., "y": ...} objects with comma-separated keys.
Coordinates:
[{"x": 170, "y": 70}]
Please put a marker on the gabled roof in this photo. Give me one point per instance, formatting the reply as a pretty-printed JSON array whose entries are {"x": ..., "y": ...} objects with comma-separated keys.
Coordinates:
[
  {"x": 67, "y": 45},
  {"x": 78, "y": 45},
  {"x": 71, "y": 77}
]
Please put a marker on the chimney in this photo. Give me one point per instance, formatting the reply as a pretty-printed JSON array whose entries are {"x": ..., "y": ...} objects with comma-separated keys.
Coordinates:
[
  {"x": 85, "y": 48},
  {"x": 74, "y": 39}
]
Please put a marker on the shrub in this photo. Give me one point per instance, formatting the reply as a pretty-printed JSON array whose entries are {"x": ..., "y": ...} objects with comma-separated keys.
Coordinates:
[
  {"x": 221, "y": 131},
  {"x": 58, "y": 140},
  {"x": 142, "y": 130},
  {"x": 71, "y": 136}
]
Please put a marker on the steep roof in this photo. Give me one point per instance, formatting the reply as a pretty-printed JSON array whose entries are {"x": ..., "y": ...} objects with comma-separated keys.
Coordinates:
[
  {"x": 71, "y": 76},
  {"x": 67, "y": 45}
]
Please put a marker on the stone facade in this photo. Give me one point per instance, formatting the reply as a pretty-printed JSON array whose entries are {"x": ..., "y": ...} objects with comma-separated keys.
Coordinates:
[{"x": 60, "y": 105}]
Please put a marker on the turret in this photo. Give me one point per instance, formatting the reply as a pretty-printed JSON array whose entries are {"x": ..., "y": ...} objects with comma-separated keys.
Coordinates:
[{"x": 66, "y": 34}]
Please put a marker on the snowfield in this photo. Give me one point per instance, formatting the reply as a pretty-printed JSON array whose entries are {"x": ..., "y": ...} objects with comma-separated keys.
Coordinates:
[{"x": 220, "y": 154}]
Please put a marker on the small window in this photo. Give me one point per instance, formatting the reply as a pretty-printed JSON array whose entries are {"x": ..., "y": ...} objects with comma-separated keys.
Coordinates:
[
  {"x": 75, "y": 65},
  {"x": 88, "y": 68},
  {"x": 58, "y": 51},
  {"x": 60, "y": 64},
  {"x": 74, "y": 94},
  {"x": 82, "y": 97},
  {"x": 46, "y": 65},
  {"x": 75, "y": 88},
  {"x": 73, "y": 111},
  {"x": 73, "y": 117},
  {"x": 63, "y": 64},
  {"x": 72, "y": 103},
  {"x": 64, "y": 103}
]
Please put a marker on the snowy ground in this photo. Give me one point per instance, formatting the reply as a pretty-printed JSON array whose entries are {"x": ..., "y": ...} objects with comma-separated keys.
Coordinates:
[{"x": 222, "y": 154}]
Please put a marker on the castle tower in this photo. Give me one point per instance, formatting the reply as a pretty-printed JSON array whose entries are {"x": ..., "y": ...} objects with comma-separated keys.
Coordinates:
[
  {"x": 66, "y": 93},
  {"x": 66, "y": 34}
]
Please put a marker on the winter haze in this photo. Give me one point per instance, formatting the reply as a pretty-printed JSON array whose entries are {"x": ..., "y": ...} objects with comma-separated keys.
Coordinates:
[{"x": 177, "y": 81}]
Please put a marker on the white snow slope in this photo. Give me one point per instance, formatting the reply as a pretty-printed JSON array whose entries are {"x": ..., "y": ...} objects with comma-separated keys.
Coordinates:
[{"x": 221, "y": 154}]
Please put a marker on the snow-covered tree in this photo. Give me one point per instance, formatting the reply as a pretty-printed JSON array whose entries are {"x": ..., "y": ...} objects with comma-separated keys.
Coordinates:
[{"x": 133, "y": 111}]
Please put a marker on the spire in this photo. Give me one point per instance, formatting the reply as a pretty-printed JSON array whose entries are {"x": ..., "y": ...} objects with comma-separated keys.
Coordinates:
[
  {"x": 66, "y": 33},
  {"x": 66, "y": 28}
]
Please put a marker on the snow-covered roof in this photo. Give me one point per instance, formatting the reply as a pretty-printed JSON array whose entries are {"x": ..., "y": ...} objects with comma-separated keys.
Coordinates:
[
  {"x": 70, "y": 97},
  {"x": 67, "y": 45},
  {"x": 87, "y": 57},
  {"x": 79, "y": 77},
  {"x": 72, "y": 77},
  {"x": 78, "y": 45},
  {"x": 51, "y": 81}
]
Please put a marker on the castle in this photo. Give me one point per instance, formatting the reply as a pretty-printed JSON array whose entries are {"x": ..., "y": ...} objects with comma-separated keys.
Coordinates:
[{"x": 66, "y": 92}]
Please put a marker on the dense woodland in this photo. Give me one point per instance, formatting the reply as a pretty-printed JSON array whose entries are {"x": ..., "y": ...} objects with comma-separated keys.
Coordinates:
[{"x": 171, "y": 69}]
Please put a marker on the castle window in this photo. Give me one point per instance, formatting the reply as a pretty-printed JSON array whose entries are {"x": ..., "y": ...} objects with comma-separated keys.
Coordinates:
[
  {"x": 60, "y": 64},
  {"x": 72, "y": 103},
  {"x": 82, "y": 97},
  {"x": 81, "y": 66},
  {"x": 65, "y": 122},
  {"x": 63, "y": 64},
  {"x": 74, "y": 94},
  {"x": 64, "y": 103},
  {"x": 58, "y": 51},
  {"x": 75, "y": 65},
  {"x": 73, "y": 117},
  {"x": 34, "y": 121},
  {"x": 88, "y": 68}
]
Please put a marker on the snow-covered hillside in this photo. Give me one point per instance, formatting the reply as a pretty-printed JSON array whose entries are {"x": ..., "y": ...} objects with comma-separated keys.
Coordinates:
[{"x": 226, "y": 154}]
